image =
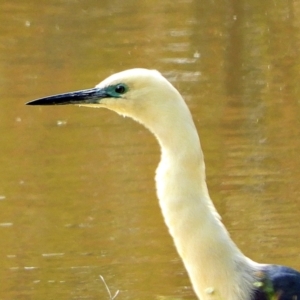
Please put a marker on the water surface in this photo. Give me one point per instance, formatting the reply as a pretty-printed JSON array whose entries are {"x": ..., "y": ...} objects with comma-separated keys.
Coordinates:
[{"x": 77, "y": 197}]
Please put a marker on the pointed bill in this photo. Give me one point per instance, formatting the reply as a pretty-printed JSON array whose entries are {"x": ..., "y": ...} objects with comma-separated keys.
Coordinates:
[{"x": 89, "y": 96}]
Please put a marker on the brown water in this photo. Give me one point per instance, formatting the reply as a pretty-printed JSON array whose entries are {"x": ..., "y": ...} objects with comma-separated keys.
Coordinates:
[{"x": 77, "y": 197}]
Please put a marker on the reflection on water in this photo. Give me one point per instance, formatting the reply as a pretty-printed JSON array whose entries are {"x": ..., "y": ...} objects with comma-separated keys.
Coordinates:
[{"x": 77, "y": 196}]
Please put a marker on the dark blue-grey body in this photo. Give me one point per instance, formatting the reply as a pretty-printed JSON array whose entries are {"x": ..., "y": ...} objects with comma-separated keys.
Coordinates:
[{"x": 278, "y": 283}]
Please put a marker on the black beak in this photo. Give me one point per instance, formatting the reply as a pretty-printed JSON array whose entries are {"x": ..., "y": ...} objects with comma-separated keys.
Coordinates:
[{"x": 90, "y": 96}]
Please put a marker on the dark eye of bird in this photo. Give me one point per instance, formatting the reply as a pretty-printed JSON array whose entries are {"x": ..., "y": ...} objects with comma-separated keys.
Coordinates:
[{"x": 120, "y": 89}]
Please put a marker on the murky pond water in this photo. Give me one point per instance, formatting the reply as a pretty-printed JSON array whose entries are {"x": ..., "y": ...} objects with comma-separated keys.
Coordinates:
[{"x": 77, "y": 197}]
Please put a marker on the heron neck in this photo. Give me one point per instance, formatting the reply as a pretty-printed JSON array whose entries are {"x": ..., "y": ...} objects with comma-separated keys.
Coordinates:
[{"x": 217, "y": 268}]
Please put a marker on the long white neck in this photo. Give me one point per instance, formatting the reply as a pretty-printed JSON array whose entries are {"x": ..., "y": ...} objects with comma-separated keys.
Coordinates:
[{"x": 217, "y": 268}]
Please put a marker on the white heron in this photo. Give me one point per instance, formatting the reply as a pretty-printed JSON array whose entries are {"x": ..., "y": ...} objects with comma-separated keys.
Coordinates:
[{"x": 217, "y": 269}]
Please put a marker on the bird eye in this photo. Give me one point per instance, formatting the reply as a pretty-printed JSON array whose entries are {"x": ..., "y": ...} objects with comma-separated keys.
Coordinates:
[{"x": 120, "y": 89}]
